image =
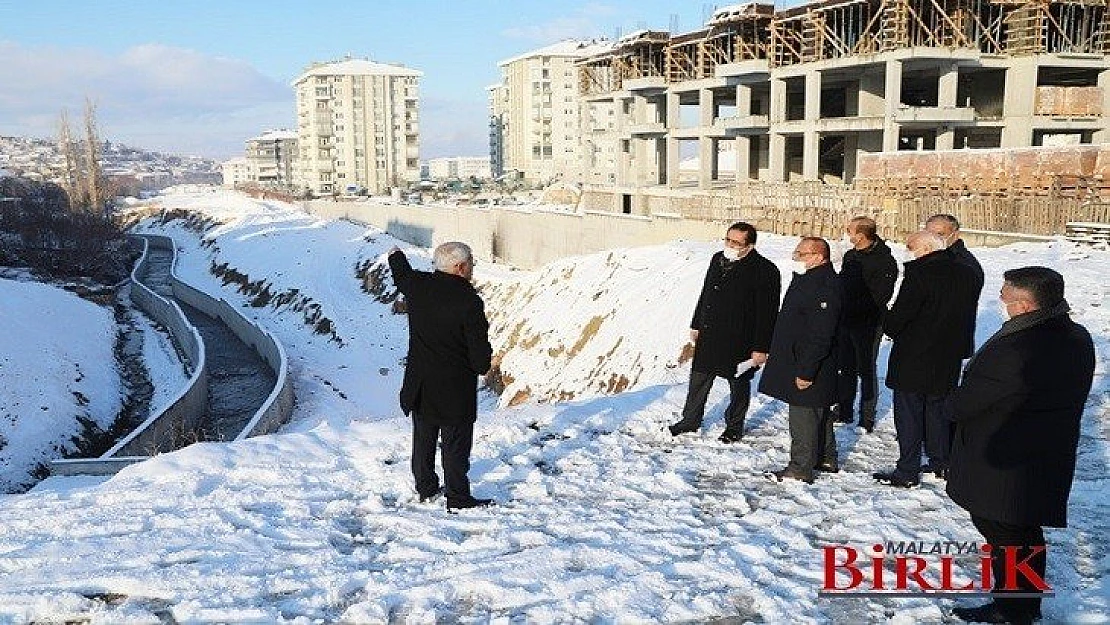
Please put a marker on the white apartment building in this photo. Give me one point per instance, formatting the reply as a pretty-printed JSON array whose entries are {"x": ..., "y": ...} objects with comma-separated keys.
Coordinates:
[
  {"x": 271, "y": 156},
  {"x": 461, "y": 167},
  {"x": 535, "y": 115},
  {"x": 357, "y": 127},
  {"x": 236, "y": 171}
]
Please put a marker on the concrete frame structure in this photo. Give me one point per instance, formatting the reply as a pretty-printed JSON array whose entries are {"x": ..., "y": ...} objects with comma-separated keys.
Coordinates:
[
  {"x": 800, "y": 93},
  {"x": 535, "y": 113},
  {"x": 272, "y": 156},
  {"x": 357, "y": 127}
]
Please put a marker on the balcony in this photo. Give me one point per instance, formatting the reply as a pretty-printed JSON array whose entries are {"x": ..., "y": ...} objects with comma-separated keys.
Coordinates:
[
  {"x": 324, "y": 129},
  {"x": 648, "y": 128},
  {"x": 935, "y": 115},
  {"x": 648, "y": 83}
]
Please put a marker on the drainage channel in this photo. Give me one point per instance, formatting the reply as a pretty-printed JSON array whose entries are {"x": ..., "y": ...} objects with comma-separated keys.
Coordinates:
[{"x": 239, "y": 381}]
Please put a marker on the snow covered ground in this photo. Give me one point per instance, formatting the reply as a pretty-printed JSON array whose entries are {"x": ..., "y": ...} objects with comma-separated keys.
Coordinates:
[
  {"x": 56, "y": 364},
  {"x": 602, "y": 516}
]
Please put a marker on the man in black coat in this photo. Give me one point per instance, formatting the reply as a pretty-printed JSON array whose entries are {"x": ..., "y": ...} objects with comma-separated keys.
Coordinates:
[
  {"x": 1018, "y": 412},
  {"x": 947, "y": 227},
  {"x": 867, "y": 276},
  {"x": 929, "y": 325},
  {"x": 732, "y": 323},
  {"x": 448, "y": 349},
  {"x": 801, "y": 368}
]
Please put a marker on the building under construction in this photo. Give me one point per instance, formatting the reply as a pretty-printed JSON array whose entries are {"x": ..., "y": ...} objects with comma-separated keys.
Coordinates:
[{"x": 799, "y": 94}]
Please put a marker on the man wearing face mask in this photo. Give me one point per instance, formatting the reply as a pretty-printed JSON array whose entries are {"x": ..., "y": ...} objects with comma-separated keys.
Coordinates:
[
  {"x": 802, "y": 367},
  {"x": 1018, "y": 412},
  {"x": 867, "y": 276},
  {"x": 732, "y": 324},
  {"x": 929, "y": 325},
  {"x": 947, "y": 227}
]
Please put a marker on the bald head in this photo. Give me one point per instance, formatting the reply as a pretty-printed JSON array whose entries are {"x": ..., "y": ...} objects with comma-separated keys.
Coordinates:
[{"x": 924, "y": 242}]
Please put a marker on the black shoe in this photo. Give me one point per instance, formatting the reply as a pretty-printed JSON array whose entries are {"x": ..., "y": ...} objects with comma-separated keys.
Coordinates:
[
  {"x": 893, "y": 479},
  {"x": 867, "y": 424},
  {"x": 828, "y": 466},
  {"x": 683, "y": 427},
  {"x": 728, "y": 437},
  {"x": 461, "y": 504},
  {"x": 791, "y": 474},
  {"x": 989, "y": 613},
  {"x": 425, "y": 498},
  {"x": 843, "y": 417}
]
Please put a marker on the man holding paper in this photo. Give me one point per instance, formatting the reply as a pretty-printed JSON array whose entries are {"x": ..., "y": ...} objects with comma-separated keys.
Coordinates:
[{"x": 731, "y": 329}]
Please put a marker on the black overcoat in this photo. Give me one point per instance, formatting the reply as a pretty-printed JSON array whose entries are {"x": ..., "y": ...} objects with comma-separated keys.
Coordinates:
[
  {"x": 448, "y": 343},
  {"x": 868, "y": 278},
  {"x": 930, "y": 325},
  {"x": 1018, "y": 411},
  {"x": 804, "y": 341},
  {"x": 959, "y": 251},
  {"x": 735, "y": 313}
]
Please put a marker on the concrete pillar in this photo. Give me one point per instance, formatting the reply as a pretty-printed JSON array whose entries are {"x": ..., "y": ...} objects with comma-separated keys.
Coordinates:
[
  {"x": 662, "y": 160},
  {"x": 1019, "y": 102},
  {"x": 778, "y": 101},
  {"x": 892, "y": 95},
  {"x": 813, "y": 96},
  {"x": 744, "y": 100},
  {"x": 851, "y": 153},
  {"x": 640, "y": 110},
  {"x": 870, "y": 94},
  {"x": 706, "y": 162},
  {"x": 743, "y": 147},
  {"x": 946, "y": 87},
  {"x": 777, "y": 158},
  {"x": 705, "y": 107},
  {"x": 946, "y": 138},
  {"x": 1102, "y": 135},
  {"x": 811, "y": 149}
]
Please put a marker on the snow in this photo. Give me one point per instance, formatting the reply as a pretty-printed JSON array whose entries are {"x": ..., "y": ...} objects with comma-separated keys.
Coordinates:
[
  {"x": 56, "y": 364},
  {"x": 358, "y": 67},
  {"x": 602, "y": 516}
]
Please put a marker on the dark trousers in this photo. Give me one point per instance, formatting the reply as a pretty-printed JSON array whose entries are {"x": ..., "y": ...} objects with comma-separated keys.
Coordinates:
[
  {"x": 457, "y": 439},
  {"x": 998, "y": 535},
  {"x": 919, "y": 417},
  {"x": 859, "y": 349},
  {"x": 812, "y": 438},
  {"x": 740, "y": 396}
]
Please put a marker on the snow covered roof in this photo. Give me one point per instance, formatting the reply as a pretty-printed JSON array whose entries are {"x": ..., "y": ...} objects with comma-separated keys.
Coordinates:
[
  {"x": 275, "y": 135},
  {"x": 358, "y": 67},
  {"x": 732, "y": 11},
  {"x": 574, "y": 48}
]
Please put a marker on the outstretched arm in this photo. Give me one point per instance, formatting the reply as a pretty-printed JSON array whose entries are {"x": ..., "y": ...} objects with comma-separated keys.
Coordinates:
[{"x": 401, "y": 269}]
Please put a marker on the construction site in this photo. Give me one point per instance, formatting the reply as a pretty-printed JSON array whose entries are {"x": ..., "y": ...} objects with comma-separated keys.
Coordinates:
[{"x": 769, "y": 102}]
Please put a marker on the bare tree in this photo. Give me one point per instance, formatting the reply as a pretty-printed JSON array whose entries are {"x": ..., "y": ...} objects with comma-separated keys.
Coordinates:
[
  {"x": 93, "y": 184},
  {"x": 70, "y": 181}
]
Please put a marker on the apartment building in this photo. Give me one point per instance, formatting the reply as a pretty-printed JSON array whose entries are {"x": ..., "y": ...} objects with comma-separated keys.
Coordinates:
[
  {"x": 357, "y": 127},
  {"x": 535, "y": 114},
  {"x": 799, "y": 94},
  {"x": 236, "y": 171},
  {"x": 271, "y": 157},
  {"x": 460, "y": 167}
]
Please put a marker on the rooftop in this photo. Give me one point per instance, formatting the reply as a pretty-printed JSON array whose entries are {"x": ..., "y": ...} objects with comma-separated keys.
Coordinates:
[{"x": 357, "y": 67}]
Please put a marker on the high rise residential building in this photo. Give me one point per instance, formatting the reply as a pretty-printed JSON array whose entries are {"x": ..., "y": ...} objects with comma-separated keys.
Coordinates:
[
  {"x": 535, "y": 113},
  {"x": 271, "y": 156},
  {"x": 461, "y": 167},
  {"x": 357, "y": 127}
]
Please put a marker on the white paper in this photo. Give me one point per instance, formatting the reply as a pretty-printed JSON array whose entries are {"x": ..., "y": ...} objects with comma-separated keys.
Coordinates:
[{"x": 744, "y": 367}]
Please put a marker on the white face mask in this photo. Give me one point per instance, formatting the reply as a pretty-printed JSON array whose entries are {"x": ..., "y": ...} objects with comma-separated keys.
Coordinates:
[
  {"x": 1002, "y": 312},
  {"x": 730, "y": 253},
  {"x": 798, "y": 266}
]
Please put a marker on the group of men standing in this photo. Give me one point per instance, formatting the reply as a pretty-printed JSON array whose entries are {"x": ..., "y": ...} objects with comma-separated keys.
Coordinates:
[
  {"x": 1014, "y": 417},
  {"x": 819, "y": 348},
  {"x": 1005, "y": 437}
]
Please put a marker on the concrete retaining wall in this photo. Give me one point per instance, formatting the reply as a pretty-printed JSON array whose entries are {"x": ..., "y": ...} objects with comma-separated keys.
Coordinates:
[
  {"x": 520, "y": 237},
  {"x": 162, "y": 431}
]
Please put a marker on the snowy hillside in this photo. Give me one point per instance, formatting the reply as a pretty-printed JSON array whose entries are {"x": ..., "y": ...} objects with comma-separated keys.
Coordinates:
[
  {"x": 56, "y": 367},
  {"x": 602, "y": 516}
]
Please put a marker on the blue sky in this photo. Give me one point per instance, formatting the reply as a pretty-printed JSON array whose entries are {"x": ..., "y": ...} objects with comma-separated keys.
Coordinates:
[{"x": 199, "y": 77}]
